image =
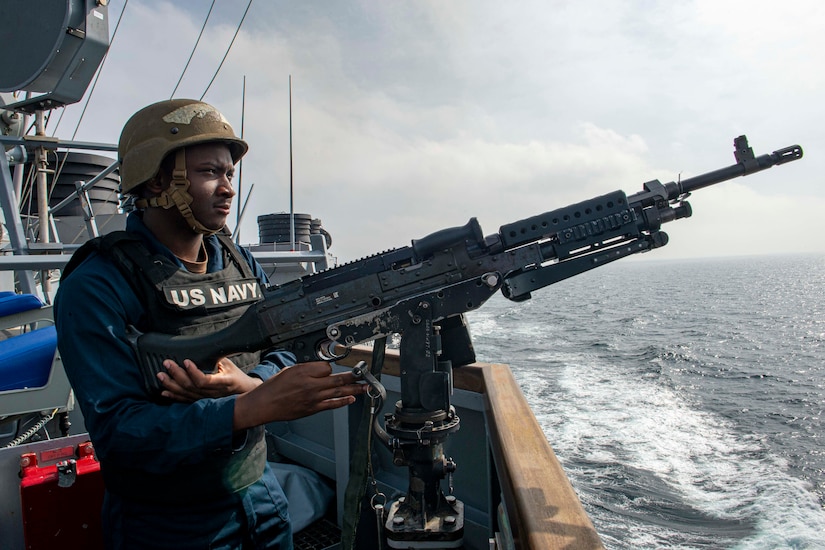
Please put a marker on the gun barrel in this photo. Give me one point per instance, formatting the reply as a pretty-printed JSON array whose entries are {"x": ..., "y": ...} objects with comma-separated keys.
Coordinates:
[{"x": 745, "y": 167}]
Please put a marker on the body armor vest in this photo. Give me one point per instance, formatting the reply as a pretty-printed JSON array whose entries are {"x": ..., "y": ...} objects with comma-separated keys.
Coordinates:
[{"x": 179, "y": 302}]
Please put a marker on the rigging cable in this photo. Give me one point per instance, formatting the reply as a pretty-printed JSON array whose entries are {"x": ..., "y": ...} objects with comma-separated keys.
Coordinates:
[
  {"x": 237, "y": 30},
  {"x": 191, "y": 55}
]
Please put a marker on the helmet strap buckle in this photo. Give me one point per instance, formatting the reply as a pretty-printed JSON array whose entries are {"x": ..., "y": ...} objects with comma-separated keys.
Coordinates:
[{"x": 178, "y": 195}]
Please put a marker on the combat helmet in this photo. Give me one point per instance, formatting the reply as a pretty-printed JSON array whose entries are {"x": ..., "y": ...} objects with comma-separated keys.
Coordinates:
[{"x": 165, "y": 127}]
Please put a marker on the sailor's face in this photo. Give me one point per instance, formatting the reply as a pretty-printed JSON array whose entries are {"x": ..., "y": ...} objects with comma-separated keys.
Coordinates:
[{"x": 209, "y": 169}]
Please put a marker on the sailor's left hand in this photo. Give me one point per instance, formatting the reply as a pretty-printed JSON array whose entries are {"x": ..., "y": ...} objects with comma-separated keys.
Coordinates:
[{"x": 187, "y": 383}]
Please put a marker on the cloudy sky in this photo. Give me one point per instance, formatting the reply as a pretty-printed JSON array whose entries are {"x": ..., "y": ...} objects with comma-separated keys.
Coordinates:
[{"x": 412, "y": 116}]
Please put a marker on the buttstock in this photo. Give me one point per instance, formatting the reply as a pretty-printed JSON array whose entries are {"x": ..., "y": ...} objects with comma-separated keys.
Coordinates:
[{"x": 153, "y": 348}]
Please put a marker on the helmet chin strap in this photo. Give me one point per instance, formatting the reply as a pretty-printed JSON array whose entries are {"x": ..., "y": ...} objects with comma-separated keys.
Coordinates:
[{"x": 178, "y": 195}]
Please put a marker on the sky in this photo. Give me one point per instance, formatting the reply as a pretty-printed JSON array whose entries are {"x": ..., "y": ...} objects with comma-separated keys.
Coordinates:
[{"x": 412, "y": 116}]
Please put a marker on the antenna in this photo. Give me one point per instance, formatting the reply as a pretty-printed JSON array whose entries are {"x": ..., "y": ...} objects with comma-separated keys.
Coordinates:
[
  {"x": 242, "y": 210},
  {"x": 239, "y": 213},
  {"x": 291, "y": 194}
]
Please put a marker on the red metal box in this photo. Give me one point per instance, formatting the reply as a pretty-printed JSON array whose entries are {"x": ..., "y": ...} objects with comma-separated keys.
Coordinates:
[{"x": 61, "y": 500}]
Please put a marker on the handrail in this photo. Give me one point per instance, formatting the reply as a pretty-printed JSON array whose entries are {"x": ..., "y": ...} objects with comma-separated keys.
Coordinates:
[
  {"x": 52, "y": 143},
  {"x": 543, "y": 508}
]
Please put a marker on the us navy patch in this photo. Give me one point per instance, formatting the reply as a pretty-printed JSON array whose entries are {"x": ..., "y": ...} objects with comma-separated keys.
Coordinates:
[{"x": 214, "y": 294}]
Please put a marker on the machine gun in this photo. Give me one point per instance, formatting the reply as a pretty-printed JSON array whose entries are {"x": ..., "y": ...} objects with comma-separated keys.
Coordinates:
[{"x": 422, "y": 292}]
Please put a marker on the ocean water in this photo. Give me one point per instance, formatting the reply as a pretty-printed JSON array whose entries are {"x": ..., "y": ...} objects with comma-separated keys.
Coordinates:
[{"x": 684, "y": 397}]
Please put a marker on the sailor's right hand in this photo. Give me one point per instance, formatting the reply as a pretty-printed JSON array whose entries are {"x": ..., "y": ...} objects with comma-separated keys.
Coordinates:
[
  {"x": 187, "y": 383},
  {"x": 295, "y": 392}
]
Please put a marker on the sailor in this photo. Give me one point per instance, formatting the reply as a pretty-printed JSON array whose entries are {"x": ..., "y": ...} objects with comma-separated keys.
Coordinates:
[{"x": 186, "y": 468}]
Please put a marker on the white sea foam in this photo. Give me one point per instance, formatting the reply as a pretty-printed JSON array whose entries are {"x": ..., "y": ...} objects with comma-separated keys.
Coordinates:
[
  {"x": 604, "y": 417},
  {"x": 684, "y": 420}
]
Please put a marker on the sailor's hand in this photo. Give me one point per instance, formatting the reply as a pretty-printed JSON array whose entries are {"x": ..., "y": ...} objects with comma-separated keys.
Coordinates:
[
  {"x": 187, "y": 383},
  {"x": 295, "y": 392}
]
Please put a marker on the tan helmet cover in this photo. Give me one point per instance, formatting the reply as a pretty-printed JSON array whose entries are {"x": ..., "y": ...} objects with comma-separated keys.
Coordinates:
[{"x": 157, "y": 130}]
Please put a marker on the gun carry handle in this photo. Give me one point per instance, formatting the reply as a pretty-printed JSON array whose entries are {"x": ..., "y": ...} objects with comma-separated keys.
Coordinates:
[{"x": 445, "y": 238}]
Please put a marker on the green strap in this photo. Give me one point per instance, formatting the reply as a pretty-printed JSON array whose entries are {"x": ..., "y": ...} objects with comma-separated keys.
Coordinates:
[{"x": 357, "y": 485}]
